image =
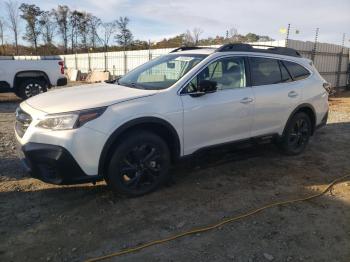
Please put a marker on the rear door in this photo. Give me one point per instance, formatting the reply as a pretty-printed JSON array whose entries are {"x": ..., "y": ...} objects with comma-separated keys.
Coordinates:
[{"x": 276, "y": 95}]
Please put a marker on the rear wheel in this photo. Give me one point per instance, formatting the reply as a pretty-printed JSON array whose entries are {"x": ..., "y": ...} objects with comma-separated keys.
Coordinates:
[
  {"x": 139, "y": 164},
  {"x": 31, "y": 87},
  {"x": 297, "y": 134}
]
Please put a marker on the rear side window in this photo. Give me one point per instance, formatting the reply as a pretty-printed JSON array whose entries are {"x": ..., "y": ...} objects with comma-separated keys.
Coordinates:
[
  {"x": 298, "y": 72},
  {"x": 284, "y": 74},
  {"x": 264, "y": 71}
]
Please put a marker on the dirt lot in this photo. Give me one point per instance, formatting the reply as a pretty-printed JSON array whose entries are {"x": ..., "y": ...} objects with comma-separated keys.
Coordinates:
[{"x": 41, "y": 222}]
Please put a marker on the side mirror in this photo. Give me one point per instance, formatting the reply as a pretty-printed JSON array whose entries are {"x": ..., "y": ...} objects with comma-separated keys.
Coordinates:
[
  {"x": 204, "y": 87},
  {"x": 207, "y": 86}
]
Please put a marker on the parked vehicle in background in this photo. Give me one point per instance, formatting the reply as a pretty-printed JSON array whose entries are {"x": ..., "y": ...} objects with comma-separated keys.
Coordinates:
[
  {"x": 129, "y": 133},
  {"x": 27, "y": 78}
]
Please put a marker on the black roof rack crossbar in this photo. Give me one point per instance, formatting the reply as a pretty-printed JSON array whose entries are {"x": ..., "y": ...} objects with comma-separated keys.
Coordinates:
[
  {"x": 185, "y": 48},
  {"x": 250, "y": 48}
]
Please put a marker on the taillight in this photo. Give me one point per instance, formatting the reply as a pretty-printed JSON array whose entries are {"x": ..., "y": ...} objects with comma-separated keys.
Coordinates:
[
  {"x": 61, "y": 63},
  {"x": 327, "y": 87}
]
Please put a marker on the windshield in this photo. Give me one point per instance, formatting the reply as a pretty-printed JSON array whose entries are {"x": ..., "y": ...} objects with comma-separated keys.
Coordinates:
[{"x": 160, "y": 73}]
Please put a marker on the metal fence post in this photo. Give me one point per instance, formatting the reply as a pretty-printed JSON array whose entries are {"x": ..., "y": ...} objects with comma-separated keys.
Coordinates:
[
  {"x": 113, "y": 71},
  {"x": 340, "y": 58},
  {"x": 125, "y": 63},
  {"x": 89, "y": 62},
  {"x": 149, "y": 50},
  {"x": 106, "y": 63},
  {"x": 76, "y": 61},
  {"x": 348, "y": 77}
]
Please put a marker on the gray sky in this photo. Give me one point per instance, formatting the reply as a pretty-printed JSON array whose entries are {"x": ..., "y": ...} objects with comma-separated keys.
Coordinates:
[{"x": 156, "y": 19}]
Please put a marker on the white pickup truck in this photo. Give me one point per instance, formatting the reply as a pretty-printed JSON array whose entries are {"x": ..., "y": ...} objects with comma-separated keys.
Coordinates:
[{"x": 27, "y": 78}]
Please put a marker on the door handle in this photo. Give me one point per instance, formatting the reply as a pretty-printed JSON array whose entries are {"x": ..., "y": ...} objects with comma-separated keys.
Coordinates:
[
  {"x": 292, "y": 94},
  {"x": 247, "y": 100}
]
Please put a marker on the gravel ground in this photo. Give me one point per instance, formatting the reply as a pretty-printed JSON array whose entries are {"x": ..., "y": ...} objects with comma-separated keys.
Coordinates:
[{"x": 42, "y": 222}]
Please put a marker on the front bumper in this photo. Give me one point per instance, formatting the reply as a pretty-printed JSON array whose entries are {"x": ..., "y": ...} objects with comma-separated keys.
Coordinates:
[{"x": 53, "y": 164}]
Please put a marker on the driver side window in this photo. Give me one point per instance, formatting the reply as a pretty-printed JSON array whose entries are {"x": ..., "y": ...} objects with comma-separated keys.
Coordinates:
[{"x": 228, "y": 73}]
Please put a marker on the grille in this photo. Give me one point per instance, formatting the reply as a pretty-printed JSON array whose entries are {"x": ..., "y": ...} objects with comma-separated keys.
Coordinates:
[{"x": 23, "y": 121}]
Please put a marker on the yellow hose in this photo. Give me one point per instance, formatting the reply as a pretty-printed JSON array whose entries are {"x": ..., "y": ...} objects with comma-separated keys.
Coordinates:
[{"x": 220, "y": 223}]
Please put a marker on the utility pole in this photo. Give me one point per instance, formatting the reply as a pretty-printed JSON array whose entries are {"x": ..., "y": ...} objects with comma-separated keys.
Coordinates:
[
  {"x": 287, "y": 35},
  {"x": 340, "y": 59},
  {"x": 343, "y": 42},
  {"x": 315, "y": 45}
]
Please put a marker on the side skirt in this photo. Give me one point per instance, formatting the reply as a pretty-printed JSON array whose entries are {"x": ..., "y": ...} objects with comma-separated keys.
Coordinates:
[{"x": 237, "y": 145}]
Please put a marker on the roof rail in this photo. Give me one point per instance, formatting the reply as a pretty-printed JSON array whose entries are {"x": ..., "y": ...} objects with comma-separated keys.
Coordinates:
[
  {"x": 185, "y": 48},
  {"x": 251, "y": 48}
]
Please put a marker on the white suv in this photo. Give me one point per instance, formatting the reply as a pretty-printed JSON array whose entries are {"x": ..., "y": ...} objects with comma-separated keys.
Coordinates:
[{"x": 130, "y": 132}]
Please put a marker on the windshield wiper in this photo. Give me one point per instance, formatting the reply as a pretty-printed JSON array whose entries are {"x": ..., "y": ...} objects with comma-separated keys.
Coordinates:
[{"x": 134, "y": 85}]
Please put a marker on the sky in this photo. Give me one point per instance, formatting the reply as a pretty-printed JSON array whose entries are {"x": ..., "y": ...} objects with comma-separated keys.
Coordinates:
[{"x": 157, "y": 19}]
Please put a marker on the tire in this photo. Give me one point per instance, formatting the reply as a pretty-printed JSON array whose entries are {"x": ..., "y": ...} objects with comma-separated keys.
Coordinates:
[
  {"x": 31, "y": 87},
  {"x": 139, "y": 165},
  {"x": 296, "y": 134}
]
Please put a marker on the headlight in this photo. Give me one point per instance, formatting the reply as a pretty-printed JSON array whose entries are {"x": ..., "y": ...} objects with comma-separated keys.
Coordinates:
[{"x": 70, "y": 120}]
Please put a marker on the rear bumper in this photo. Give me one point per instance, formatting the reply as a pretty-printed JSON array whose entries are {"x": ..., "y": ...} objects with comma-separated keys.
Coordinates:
[
  {"x": 62, "y": 81},
  {"x": 323, "y": 122},
  {"x": 53, "y": 164}
]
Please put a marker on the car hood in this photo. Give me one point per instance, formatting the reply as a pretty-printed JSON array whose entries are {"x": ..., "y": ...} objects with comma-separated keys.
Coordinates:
[{"x": 85, "y": 97}]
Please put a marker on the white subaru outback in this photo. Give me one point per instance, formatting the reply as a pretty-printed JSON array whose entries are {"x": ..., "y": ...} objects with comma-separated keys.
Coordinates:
[{"x": 130, "y": 132}]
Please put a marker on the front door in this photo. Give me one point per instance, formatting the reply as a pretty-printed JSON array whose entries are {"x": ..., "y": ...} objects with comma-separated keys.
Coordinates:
[{"x": 222, "y": 116}]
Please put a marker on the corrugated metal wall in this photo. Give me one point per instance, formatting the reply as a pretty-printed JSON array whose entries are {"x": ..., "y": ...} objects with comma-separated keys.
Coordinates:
[{"x": 332, "y": 61}]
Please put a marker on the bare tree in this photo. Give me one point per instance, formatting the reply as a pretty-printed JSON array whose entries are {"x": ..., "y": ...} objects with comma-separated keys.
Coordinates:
[
  {"x": 107, "y": 30},
  {"x": 232, "y": 35},
  {"x": 84, "y": 28},
  {"x": 192, "y": 37},
  {"x": 48, "y": 27},
  {"x": 94, "y": 25},
  {"x": 196, "y": 34},
  {"x": 61, "y": 16},
  {"x": 188, "y": 39},
  {"x": 31, "y": 14},
  {"x": 74, "y": 21},
  {"x": 2, "y": 28},
  {"x": 13, "y": 16},
  {"x": 124, "y": 37}
]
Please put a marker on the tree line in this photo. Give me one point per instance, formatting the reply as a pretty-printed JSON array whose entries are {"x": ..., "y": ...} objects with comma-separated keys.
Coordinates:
[
  {"x": 63, "y": 30},
  {"x": 77, "y": 31}
]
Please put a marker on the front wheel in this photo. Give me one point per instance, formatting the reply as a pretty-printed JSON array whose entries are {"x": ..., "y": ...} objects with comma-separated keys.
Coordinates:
[
  {"x": 139, "y": 164},
  {"x": 297, "y": 134}
]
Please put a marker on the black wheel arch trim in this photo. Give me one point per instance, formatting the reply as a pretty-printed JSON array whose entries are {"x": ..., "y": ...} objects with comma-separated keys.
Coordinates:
[
  {"x": 298, "y": 108},
  {"x": 5, "y": 87},
  {"x": 132, "y": 123},
  {"x": 30, "y": 74}
]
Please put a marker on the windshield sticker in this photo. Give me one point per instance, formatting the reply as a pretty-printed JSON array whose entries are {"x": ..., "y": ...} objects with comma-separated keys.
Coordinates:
[{"x": 184, "y": 58}]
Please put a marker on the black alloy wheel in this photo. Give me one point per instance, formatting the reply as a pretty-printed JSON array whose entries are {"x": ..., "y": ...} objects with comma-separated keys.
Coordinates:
[
  {"x": 139, "y": 164},
  {"x": 297, "y": 134}
]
